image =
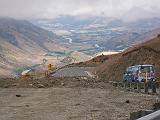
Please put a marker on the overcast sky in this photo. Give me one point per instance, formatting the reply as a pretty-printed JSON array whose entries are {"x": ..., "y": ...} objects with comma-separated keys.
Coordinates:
[{"x": 126, "y": 9}]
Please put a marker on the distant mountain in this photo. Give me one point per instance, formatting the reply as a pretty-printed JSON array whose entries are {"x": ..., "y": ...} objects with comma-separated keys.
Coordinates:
[
  {"x": 148, "y": 35},
  {"x": 106, "y": 33},
  {"x": 145, "y": 53},
  {"x": 21, "y": 33},
  {"x": 79, "y": 21},
  {"x": 74, "y": 21},
  {"x": 130, "y": 33},
  {"x": 21, "y": 43},
  {"x": 126, "y": 40}
]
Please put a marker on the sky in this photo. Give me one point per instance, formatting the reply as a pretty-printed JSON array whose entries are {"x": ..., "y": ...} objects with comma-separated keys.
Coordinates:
[{"x": 123, "y": 9}]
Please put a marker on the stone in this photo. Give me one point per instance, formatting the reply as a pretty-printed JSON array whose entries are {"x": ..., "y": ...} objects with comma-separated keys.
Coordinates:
[
  {"x": 127, "y": 101},
  {"x": 18, "y": 95}
]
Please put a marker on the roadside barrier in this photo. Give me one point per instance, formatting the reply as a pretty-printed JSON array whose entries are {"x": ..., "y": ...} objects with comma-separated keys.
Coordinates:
[{"x": 142, "y": 87}]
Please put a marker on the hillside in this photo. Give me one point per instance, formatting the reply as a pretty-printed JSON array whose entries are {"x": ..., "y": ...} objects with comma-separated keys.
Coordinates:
[
  {"x": 144, "y": 53},
  {"x": 23, "y": 44},
  {"x": 76, "y": 57},
  {"x": 148, "y": 35}
]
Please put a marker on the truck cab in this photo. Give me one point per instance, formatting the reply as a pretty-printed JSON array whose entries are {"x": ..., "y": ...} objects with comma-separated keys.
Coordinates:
[{"x": 139, "y": 73}]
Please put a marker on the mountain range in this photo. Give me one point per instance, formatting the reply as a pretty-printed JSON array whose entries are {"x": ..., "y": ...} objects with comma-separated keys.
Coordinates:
[
  {"x": 98, "y": 33},
  {"x": 23, "y": 44}
]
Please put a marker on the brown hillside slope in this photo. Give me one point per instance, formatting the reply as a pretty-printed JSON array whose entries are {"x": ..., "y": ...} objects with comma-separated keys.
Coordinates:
[
  {"x": 95, "y": 61},
  {"x": 23, "y": 44},
  {"x": 144, "y": 53}
]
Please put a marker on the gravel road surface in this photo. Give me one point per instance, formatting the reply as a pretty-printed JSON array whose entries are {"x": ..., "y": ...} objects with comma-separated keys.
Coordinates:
[{"x": 73, "y": 72}]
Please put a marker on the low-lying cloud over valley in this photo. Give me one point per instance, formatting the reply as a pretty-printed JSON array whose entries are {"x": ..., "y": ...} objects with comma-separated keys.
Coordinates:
[{"x": 125, "y": 9}]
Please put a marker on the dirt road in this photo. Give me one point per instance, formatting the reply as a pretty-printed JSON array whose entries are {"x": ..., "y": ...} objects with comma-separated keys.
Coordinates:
[{"x": 77, "y": 103}]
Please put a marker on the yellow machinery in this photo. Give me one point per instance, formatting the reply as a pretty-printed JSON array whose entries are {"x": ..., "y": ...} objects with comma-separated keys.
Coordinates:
[{"x": 50, "y": 68}]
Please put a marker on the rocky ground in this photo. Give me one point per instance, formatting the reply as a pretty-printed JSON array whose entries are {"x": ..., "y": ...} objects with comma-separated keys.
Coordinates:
[{"x": 69, "y": 98}]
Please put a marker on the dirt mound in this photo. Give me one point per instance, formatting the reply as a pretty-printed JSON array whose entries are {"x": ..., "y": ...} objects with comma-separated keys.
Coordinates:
[
  {"x": 76, "y": 57},
  {"x": 95, "y": 61},
  {"x": 68, "y": 82},
  {"x": 144, "y": 53},
  {"x": 68, "y": 59},
  {"x": 98, "y": 59}
]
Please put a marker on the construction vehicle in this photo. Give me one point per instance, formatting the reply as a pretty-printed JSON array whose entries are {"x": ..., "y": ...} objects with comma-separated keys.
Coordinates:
[
  {"x": 140, "y": 73},
  {"x": 50, "y": 70}
]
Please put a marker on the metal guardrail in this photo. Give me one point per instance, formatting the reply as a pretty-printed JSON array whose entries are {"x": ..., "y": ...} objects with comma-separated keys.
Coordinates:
[
  {"x": 152, "y": 116},
  {"x": 149, "y": 87}
]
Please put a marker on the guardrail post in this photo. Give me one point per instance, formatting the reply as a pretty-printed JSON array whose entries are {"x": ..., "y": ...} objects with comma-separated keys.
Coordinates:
[
  {"x": 125, "y": 85},
  {"x": 139, "y": 86},
  {"x": 135, "y": 85},
  {"x": 153, "y": 87},
  {"x": 119, "y": 85},
  {"x": 146, "y": 87},
  {"x": 130, "y": 86}
]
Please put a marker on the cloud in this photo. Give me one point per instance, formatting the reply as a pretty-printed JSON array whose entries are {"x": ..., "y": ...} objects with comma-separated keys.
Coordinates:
[{"x": 128, "y": 9}]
